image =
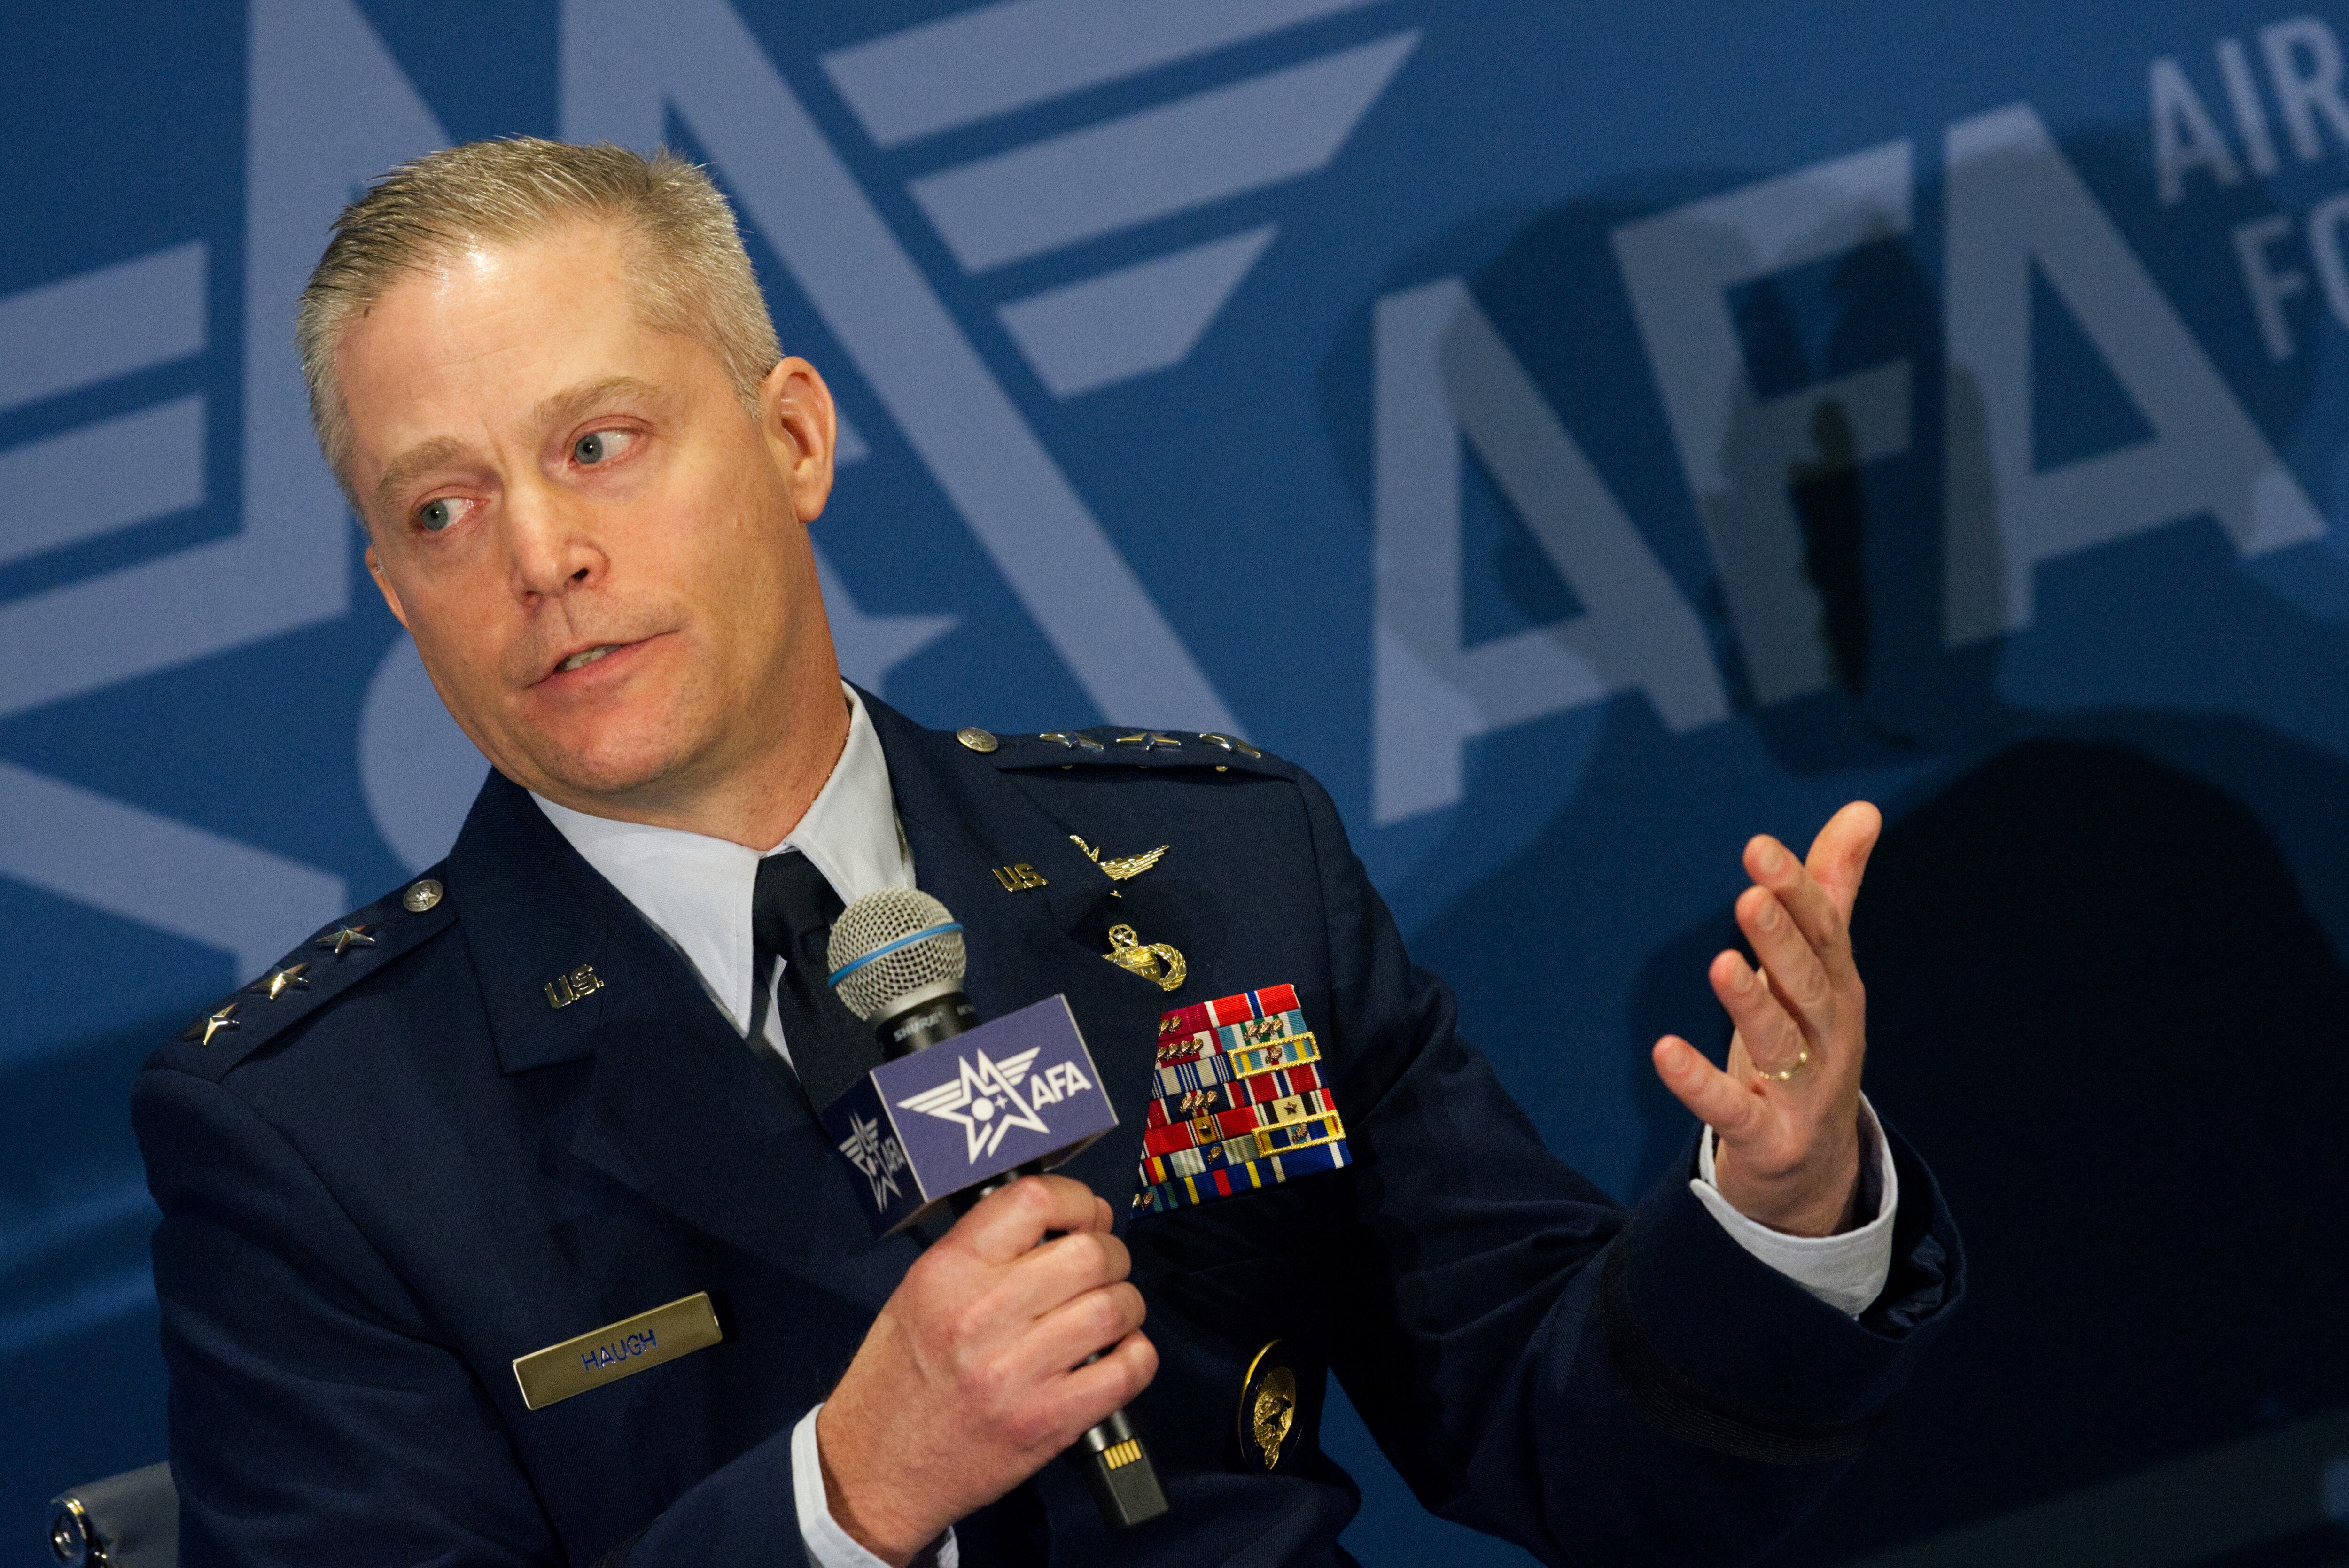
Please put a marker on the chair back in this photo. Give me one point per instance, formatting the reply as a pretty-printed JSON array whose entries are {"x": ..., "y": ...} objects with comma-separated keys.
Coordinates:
[{"x": 127, "y": 1520}]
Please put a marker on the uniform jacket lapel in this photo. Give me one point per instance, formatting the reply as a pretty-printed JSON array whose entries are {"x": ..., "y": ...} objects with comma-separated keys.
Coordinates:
[
  {"x": 675, "y": 1107},
  {"x": 963, "y": 819}
]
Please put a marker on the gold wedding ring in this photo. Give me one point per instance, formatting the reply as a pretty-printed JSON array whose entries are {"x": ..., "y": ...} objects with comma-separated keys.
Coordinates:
[{"x": 1802, "y": 1053}]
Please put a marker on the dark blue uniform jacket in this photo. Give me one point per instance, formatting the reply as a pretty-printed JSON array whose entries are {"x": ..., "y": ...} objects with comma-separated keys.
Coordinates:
[{"x": 379, "y": 1189}]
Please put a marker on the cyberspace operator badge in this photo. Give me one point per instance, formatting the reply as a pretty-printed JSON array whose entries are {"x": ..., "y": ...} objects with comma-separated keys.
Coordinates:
[{"x": 925, "y": 1126}]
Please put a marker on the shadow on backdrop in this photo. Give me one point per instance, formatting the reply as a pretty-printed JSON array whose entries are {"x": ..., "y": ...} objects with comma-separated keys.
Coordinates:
[{"x": 2102, "y": 1004}]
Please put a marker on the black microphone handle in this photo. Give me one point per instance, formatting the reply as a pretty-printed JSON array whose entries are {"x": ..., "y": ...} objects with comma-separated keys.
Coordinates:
[{"x": 1110, "y": 1454}]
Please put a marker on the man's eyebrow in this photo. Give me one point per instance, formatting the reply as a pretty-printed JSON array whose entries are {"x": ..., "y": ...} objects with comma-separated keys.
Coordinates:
[
  {"x": 437, "y": 452},
  {"x": 562, "y": 408}
]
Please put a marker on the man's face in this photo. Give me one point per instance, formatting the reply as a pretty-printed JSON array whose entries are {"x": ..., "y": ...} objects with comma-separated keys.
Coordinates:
[{"x": 602, "y": 557}]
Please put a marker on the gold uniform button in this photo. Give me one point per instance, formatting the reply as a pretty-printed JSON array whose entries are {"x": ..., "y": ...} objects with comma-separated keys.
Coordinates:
[
  {"x": 422, "y": 896},
  {"x": 976, "y": 739}
]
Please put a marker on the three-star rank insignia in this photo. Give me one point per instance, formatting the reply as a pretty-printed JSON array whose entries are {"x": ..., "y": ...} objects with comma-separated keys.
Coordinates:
[
  {"x": 1154, "y": 961},
  {"x": 221, "y": 1017},
  {"x": 305, "y": 982},
  {"x": 1267, "y": 1406}
]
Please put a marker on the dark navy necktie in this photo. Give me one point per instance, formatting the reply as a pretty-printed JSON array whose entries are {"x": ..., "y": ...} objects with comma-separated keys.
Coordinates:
[{"x": 792, "y": 911}]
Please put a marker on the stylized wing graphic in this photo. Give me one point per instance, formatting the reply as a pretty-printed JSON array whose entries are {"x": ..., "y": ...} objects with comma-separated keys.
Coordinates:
[
  {"x": 944, "y": 1100},
  {"x": 1015, "y": 1068},
  {"x": 1128, "y": 866}
]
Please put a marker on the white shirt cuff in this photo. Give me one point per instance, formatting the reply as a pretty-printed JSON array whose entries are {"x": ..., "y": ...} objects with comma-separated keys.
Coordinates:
[
  {"x": 828, "y": 1545},
  {"x": 1846, "y": 1271}
]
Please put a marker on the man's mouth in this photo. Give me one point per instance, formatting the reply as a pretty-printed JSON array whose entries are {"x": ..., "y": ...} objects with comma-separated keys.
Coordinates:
[
  {"x": 585, "y": 658},
  {"x": 571, "y": 663}
]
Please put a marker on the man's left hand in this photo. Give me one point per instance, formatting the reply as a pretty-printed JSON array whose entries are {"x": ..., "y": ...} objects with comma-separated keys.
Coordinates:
[{"x": 1785, "y": 1113}]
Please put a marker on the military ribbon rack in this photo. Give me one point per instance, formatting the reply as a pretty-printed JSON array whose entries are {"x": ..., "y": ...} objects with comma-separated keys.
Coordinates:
[{"x": 1240, "y": 1105}]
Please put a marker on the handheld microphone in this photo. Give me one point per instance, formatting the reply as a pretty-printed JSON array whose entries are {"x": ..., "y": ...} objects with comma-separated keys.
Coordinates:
[{"x": 897, "y": 961}]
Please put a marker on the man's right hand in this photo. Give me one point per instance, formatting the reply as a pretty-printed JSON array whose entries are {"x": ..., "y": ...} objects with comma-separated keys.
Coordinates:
[{"x": 971, "y": 1379}]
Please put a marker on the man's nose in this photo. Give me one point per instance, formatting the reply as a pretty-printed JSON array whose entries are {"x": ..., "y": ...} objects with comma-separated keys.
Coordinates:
[{"x": 553, "y": 545}]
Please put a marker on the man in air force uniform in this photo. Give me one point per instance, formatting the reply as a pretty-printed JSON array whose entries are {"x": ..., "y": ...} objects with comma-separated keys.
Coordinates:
[{"x": 570, "y": 1075}]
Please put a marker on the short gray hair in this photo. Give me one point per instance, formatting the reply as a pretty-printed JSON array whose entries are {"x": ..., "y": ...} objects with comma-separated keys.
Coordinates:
[{"x": 691, "y": 272}]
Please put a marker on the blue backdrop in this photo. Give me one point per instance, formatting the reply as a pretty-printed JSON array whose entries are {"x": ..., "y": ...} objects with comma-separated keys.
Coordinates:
[{"x": 1584, "y": 438}]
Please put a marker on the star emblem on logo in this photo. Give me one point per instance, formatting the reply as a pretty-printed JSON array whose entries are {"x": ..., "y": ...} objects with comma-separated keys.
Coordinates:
[{"x": 984, "y": 1099}]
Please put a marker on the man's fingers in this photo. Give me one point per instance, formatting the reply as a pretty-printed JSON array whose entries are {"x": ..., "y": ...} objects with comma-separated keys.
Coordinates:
[
  {"x": 1817, "y": 915},
  {"x": 1838, "y": 857},
  {"x": 1768, "y": 1036},
  {"x": 1799, "y": 971},
  {"x": 1712, "y": 1096},
  {"x": 1038, "y": 1282},
  {"x": 1006, "y": 1223},
  {"x": 1064, "y": 1337},
  {"x": 1083, "y": 1394}
]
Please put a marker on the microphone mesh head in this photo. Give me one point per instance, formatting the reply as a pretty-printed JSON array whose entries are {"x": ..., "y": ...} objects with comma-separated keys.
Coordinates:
[{"x": 878, "y": 919}]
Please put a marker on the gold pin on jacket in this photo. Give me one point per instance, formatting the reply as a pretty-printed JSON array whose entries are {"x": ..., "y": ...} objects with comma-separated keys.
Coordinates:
[
  {"x": 1267, "y": 1406},
  {"x": 1124, "y": 867},
  {"x": 1154, "y": 961},
  {"x": 565, "y": 989},
  {"x": 1018, "y": 878}
]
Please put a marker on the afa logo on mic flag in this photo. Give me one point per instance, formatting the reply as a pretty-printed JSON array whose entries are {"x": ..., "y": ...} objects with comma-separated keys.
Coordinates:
[{"x": 941, "y": 1121}]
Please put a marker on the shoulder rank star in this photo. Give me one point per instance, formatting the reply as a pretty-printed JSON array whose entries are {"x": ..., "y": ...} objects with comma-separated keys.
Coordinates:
[
  {"x": 345, "y": 937},
  {"x": 1124, "y": 867},
  {"x": 1154, "y": 961},
  {"x": 223, "y": 1017},
  {"x": 278, "y": 981}
]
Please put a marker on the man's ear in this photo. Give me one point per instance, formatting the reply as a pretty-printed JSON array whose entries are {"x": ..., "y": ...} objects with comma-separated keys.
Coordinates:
[
  {"x": 800, "y": 425},
  {"x": 383, "y": 584}
]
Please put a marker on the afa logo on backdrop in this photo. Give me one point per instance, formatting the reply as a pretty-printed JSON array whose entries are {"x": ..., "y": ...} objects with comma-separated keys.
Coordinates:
[
  {"x": 330, "y": 108},
  {"x": 976, "y": 288}
]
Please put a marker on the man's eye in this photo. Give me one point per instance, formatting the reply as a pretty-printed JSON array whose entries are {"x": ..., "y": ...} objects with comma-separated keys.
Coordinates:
[
  {"x": 435, "y": 515},
  {"x": 600, "y": 446}
]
